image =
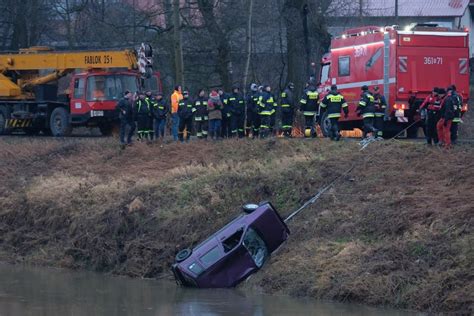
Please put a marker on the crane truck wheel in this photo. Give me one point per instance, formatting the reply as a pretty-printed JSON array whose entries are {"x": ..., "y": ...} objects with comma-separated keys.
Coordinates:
[
  {"x": 3, "y": 120},
  {"x": 59, "y": 122}
]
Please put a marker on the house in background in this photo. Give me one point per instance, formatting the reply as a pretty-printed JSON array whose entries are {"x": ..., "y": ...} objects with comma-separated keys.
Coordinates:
[{"x": 449, "y": 13}]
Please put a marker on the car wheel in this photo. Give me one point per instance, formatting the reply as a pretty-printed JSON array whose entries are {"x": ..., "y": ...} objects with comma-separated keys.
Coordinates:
[
  {"x": 3, "y": 120},
  {"x": 183, "y": 255},
  {"x": 325, "y": 124},
  {"x": 59, "y": 122},
  {"x": 249, "y": 208}
]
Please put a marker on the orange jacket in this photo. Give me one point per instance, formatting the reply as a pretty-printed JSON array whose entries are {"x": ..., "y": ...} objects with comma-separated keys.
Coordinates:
[{"x": 175, "y": 98}]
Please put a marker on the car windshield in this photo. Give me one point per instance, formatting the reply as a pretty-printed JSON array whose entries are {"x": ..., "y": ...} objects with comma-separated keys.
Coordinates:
[
  {"x": 110, "y": 87},
  {"x": 256, "y": 247}
]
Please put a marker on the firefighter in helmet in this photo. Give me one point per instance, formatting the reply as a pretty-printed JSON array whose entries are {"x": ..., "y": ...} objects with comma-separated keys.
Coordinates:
[
  {"x": 366, "y": 109},
  {"x": 236, "y": 106},
  {"x": 287, "y": 105},
  {"x": 266, "y": 103},
  {"x": 309, "y": 105},
  {"x": 333, "y": 103},
  {"x": 143, "y": 114},
  {"x": 185, "y": 112},
  {"x": 380, "y": 106}
]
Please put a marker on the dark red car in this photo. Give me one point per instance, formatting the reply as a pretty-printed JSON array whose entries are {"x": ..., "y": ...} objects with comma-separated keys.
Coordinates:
[{"x": 234, "y": 252}]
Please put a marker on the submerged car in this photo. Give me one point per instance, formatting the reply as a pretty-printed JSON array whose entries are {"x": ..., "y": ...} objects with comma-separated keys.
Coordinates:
[{"x": 234, "y": 252}]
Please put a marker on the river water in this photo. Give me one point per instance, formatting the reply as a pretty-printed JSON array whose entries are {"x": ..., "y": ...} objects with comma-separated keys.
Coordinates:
[{"x": 35, "y": 291}]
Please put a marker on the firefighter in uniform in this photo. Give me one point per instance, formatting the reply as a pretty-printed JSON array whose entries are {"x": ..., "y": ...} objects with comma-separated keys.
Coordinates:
[
  {"x": 457, "y": 120},
  {"x": 310, "y": 107},
  {"x": 253, "y": 119},
  {"x": 236, "y": 107},
  {"x": 201, "y": 118},
  {"x": 185, "y": 112},
  {"x": 432, "y": 105},
  {"x": 380, "y": 104},
  {"x": 143, "y": 114},
  {"x": 266, "y": 104},
  {"x": 366, "y": 109},
  {"x": 151, "y": 101},
  {"x": 160, "y": 111},
  {"x": 287, "y": 109},
  {"x": 226, "y": 115},
  {"x": 333, "y": 103}
]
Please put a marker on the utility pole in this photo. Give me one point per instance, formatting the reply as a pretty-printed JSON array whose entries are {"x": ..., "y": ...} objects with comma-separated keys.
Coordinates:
[
  {"x": 178, "y": 47},
  {"x": 396, "y": 11}
]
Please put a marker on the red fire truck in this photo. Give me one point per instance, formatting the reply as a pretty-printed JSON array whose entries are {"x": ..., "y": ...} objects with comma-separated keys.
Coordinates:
[{"x": 405, "y": 64}]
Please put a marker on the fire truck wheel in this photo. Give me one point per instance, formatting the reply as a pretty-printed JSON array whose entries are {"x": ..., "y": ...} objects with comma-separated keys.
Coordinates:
[
  {"x": 3, "y": 120},
  {"x": 325, "y": 124},
  {"x": 59, "y": 122}
]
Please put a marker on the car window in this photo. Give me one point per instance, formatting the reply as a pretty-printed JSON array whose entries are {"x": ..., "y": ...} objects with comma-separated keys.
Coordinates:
[
  {"x": 232, "y": 241},
  {"x": 195, "y": 268},
  {"x": 256, "y": 247},
  {"x": 344, "y": 66},
  {"x": 210, "y": 257}
]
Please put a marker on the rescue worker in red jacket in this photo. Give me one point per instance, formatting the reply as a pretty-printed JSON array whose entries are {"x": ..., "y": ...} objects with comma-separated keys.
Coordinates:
[
  {"x": 287, "y": 109},
  {"x": 310, "y": 108},
  {"x": 333, "y": 103},
  {"x": 432, "y": 105},
  {"x": 450, "y": 109},
  {"x": 380, "y": 105},
  {"x": 201, "y": 118},
  {"x": 185, "y": 112},
  {"x": 366, "y": 109}
]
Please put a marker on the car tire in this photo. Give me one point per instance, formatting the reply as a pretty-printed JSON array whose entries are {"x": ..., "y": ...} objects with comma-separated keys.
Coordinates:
[
  {"x": 59, "y": 122},
  {"x": 325, "y": 124},
  {"x": 4, "y": 116},
  {"x": 183, "y": 255},
  {"x": 249, "y": 208}
]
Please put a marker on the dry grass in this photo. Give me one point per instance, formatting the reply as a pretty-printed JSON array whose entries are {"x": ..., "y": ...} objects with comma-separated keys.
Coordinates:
[{"x": 397, "y": 231}]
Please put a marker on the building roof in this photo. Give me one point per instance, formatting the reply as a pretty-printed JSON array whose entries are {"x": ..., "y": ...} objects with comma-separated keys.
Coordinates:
[{"x": 406, "y": 8}]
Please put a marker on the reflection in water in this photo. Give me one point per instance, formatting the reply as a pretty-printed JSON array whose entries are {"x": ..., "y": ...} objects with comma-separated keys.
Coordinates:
[{"x": 41, "y": 291}]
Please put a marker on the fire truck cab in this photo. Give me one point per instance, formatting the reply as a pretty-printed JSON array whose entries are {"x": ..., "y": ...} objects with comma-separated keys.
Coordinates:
[{"x": 405, "y": 64}]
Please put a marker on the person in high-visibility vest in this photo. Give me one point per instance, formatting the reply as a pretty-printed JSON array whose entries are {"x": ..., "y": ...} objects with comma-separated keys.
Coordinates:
[
  {"x": 266, "y": 104},
  {"x": 333, "y": 103},
  {"x": 160, "y": 111},
  {"x": 185, "y": 112},
  {"x": 176, "y": 97},
  {"x": 287, "y": 105},
  {"x": 309, "y": 105},
  {"x": 143, "y": 113},
  {"x": 366, "y": 109}
]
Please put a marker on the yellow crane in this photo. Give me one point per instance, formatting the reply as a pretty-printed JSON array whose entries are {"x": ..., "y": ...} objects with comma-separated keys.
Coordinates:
[{"x": 29, "y": 98}]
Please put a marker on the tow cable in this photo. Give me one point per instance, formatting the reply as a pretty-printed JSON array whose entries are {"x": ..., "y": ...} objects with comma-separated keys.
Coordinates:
[{"x": 331, "y": 184}]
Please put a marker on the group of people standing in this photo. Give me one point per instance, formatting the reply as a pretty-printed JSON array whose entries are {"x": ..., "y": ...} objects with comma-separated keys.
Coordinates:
[
  {"x": 226, "y": 115},
  {"x": 442, "y": 112}
]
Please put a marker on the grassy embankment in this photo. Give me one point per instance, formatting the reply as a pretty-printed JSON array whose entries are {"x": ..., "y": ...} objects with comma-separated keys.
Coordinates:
[{"x": 397, "y": 231}]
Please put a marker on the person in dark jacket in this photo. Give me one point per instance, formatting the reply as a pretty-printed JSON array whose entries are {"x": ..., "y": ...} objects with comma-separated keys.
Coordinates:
[
  {"x": 333, "y": 103},
  {"x": 266, "y": 104},
  {"x": 366, "y": 109},
  {"x": 253, "y": 119},
  {"x": 450, "y": 109},
  {"x": 201, "y": 119},
  {"x": 214, "y": 107},
  {"x": 124, "y": 106},
  {"x": 287, "y": 104},
  {"x": 236, "y": 107},
  {"x": 160, "y": 112},
  {"x": 185, "y": 112},
  {"x": 380, "y": 104},
  {"x": 432, "y": 105},
  {"x": 457, "y": 120},
  {"x": 143, "y": 111},
  {"x": 309, "y": 105},
  {"x": 150, "y": 98},
  {"x": 226, "y": 115}
]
